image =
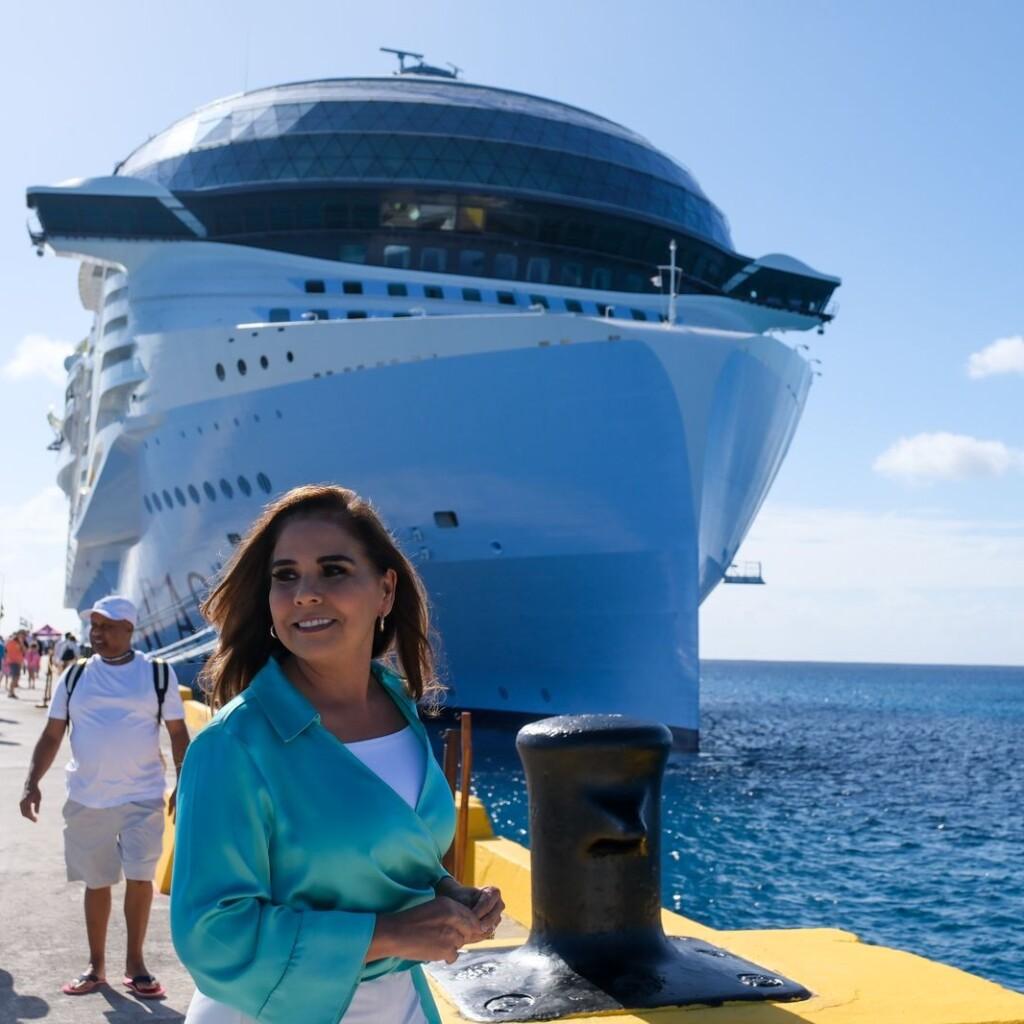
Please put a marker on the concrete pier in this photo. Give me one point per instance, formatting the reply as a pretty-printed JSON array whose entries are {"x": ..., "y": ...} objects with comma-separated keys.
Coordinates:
[{"x": 42, "y": 924}]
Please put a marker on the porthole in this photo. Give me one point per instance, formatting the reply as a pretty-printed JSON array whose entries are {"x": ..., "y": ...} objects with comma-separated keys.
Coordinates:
[
  {"x": 179, "y": 494},
  {"x": 193, "y": 493},
  {"x": 226, "y": 488},
  {"x": 146, "y": 502},
  {"x": 446, "y": 520},
  {"x": 278, "y": 414},
  {"x": 235, "y": 421},
  {"x": 209, "y": 491},
  {"x": 264, "y": 482},
  {"x": 168, "y": 500},
  {"x": 290, "y": 357},
  {"x": 156, "y": 501},
  {"x": 264, "y": 362},
  {"x": 242, "y": 368},
  {"x": 221, "y": 373},
  {"x": 244, "y": 486},
  {"x": 256, "y": 417}
]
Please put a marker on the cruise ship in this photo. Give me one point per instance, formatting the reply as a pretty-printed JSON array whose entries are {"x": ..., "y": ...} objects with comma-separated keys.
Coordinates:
[{"x": 519, "y": 328}]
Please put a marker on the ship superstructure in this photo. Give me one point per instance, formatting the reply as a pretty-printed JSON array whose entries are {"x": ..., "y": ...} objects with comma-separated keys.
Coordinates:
[{"x": 447, "y": 297}]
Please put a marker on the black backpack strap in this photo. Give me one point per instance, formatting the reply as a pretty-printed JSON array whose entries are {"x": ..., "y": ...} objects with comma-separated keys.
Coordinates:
[
  {"x": 161, "y": 680},
  {"x": 71, "y": 681}
]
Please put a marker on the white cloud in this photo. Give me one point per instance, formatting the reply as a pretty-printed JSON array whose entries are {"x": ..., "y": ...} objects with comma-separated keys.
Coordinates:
[
  {"x": 849, "y": 585},
  {"x": 38, "y": 356},
  {"x": 1006, "y": 355},
  {"x": 943, "y": 456}
]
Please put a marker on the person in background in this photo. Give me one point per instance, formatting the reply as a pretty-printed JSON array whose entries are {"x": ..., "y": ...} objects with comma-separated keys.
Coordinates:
[
  {"x": 66, "y": 650},
  {"x": 15, "y": 661},
  {"x": 114, "y": 816},
  {"x": 3, "y": 660},
  {"x": 32, "y": 658},
  {"x": 51, "y": 668},
  {"x": 312, "y": 819}
]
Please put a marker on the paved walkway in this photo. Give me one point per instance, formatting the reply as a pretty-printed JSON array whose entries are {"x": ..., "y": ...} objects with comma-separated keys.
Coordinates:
[{"x": 42, "y": 928}]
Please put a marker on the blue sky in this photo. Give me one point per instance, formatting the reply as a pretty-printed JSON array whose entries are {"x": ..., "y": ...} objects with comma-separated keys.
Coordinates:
[{"x": 877, "y": 141}]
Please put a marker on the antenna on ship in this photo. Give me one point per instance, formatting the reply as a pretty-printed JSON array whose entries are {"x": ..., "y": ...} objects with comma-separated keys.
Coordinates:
[
  {"x": 673, "y": 280},
  {"x": 422, "y": 68},
  {"x": 401, "y": 55}
]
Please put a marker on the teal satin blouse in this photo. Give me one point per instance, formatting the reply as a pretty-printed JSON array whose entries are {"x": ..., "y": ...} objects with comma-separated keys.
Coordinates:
[{"x": 287, "y": 847}]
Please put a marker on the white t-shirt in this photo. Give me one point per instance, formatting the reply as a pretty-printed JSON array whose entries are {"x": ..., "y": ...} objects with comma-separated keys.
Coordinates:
[
  {"x": 115, "y": 738},
  {"x": 401, "y": 762}
]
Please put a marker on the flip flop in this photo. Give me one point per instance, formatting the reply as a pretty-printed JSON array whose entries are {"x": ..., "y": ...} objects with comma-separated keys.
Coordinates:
[
  {"x": 145, "y": 986},
  {"x": 84, "y": 984}
]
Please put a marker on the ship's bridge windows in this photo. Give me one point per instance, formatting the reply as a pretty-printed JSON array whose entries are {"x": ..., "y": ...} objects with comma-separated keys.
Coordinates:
[
  {"x": 538, "y": 270},
  {"x": 226, "y": 489},
  {"x": 280, "y": 315},
  {"x": 433, "y": 260},
  {"x": 193, "y": 493},
  {"x": 506, "y": 266},
  {"x": 115, "y": 296},
  {"x": 601, "y": 278},
  {"x": 573, "y": 306},
  {"x": 244, "y": 486},
  {"x": 156, "y": 501},
  {"x": 506, "y": 298},
  {"x": 433, "y": 291},
  {"x": 264, "y": 482},
  {"x": 209, "y": 491},
  {"x": 352, "y": 252},
  {"x": 179, "y": 494},
  {"x": 398, "y": 256},
  {"x": 572, "y": 274},
  {"x": 168, "y": 500},
  {"x": 117, "y": 355},
  {"x": 352, "y": 287},
  {"x": 115, "y": 324},
  {"x": 472, "y": 262},
  {"x": 471, "y": 295},
  {"x": 315, "y": 287},
  {"x": 397, "y": 289}
]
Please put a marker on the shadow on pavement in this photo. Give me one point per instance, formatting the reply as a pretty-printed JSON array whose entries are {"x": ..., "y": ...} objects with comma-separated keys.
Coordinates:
[
  {"x": 15, "y": 1008},
  {"x": 126, "y": 1010}
]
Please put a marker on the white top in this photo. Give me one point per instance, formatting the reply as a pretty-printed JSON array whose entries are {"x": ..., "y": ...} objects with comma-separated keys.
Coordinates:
[
  {"x": 401, "y": 761},
  {"x": 115, "y": 739}
]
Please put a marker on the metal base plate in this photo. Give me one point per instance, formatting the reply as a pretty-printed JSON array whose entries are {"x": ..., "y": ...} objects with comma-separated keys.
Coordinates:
[{"x": 524, "y": 983}]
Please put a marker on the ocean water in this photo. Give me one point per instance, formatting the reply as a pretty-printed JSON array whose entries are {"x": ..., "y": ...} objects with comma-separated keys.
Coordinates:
[{"x": 887, "y": 800}]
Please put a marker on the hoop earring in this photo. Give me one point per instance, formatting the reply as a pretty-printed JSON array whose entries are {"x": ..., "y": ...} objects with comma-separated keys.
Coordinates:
[
  {"x": 382, "y": 624},
  {"x": 272, "y": 633}
]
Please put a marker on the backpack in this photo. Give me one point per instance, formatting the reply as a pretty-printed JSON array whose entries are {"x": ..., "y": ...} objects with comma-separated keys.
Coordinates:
[{"x": 161, "y": 680}]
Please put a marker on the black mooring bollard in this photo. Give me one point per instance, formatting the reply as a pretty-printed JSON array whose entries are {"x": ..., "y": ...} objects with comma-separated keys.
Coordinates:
[{"x": 594, "y": 784}]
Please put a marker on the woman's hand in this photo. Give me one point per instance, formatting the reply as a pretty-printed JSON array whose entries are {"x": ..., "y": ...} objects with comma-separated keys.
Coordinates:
[
  {"x": 486, "y": 903},
  {"x": 431, "y": 931}
]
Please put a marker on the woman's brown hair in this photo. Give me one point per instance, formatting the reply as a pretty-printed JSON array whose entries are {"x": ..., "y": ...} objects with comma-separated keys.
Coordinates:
[{"x": 239, "y": 605}]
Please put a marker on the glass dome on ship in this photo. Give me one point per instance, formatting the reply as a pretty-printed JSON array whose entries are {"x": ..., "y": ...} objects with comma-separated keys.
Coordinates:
[{"x": 434, "y": 174}]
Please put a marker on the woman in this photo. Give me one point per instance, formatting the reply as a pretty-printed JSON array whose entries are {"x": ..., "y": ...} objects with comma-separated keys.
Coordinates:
[
  {"x": 32, "y": 658},
  {"x": 312, "y": 816}
]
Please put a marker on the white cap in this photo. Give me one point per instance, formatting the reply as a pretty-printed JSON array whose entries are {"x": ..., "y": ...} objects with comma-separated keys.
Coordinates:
[{"x": 114, "y": 607}]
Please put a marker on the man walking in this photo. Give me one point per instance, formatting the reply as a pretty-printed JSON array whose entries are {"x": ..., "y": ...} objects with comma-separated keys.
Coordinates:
[{"x": 113, "y": 819}]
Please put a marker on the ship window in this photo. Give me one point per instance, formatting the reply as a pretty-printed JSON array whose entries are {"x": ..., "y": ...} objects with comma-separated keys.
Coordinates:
[
  {"x": 471, "y": 261},
  {"x": 234, "y": 539},
  {"x": 638, "y": 314},
  {"x": 226, "y": 488},
  {"x": 168, "y": 500},
  {"x": 506, "y": 265},
  {"x": 220, "y": 372},
  {"x": 315, "y": 287},
  {"x": 471, "y": 294},
  {"x": 115, "y": 325},
  {"x": 539, "y": 300},
  {"x": 634, "y": 283},
  {"x": 538, "y": 269},
  {"x": 209, "y": 491},
  {"x": 263, "y": 480},
  {"x": 244, "y": 486},
  {"x": 446, "y": 520},
  {"x": 401, "y": 314},
  {"x": 117, "y": 355},
  {"x": 316, "y": 314},
  {"x": 117, "y": 293},
  {"x": 601, "y": 277},
  {"x": 506, "y": 298},
  {"x": 146, "y": 502},
  {"x": 356, "y": 314},
  {"x": 573, "y": 306},
  {"x": 397, "y": 256},
  {"x": 433, "y": 259},
  {"x": 193, "y": 493},
  {"x": 156, "y": 501},
  {"x": 352, "y": 287},
  {"x": 432, "y": 291},
  {"x": 180, "y": 495},
  {"x": 397, "y": 289},
  {"x": 352, "y": 253},
  {"x": 290, "y": 357},
  {"x": 279, "y": 315},
  {"x": 264, "y": 362},
  {"x": 242, "y": 368},
  {"x": 572, "y": 274}
]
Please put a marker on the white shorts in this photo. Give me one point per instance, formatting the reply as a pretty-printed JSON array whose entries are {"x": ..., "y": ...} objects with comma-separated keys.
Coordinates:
[{"x": 100, "y": 841}]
